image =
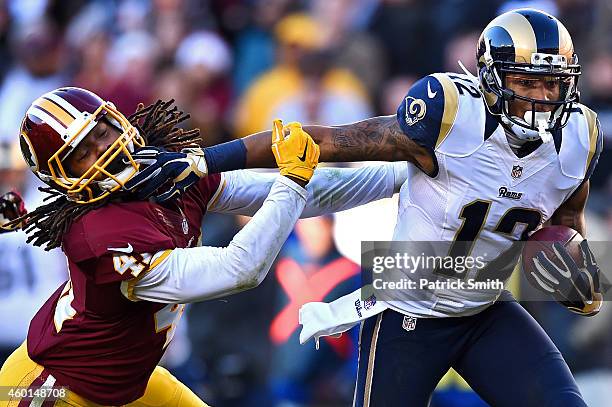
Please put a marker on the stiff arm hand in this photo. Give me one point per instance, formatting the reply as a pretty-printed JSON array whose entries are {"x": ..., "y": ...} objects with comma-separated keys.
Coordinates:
[
  {"x": 176, "y": 171},
  {"x": 296, "y": 153}
]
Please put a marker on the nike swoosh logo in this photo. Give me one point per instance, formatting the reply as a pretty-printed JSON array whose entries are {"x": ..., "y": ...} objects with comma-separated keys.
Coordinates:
[
  {"x": 127, "y": 249},
  {"x": 303, "y": 157},
  {"x": 429, "y": 91}
]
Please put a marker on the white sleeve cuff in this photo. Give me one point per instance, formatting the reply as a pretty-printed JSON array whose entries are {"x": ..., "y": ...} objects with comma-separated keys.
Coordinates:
[{"x": 293, "y": 185}]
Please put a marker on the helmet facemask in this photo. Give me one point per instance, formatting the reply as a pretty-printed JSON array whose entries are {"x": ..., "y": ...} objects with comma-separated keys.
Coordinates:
[
  {"x": 110, "y": 171},
  {"x": 528, "y": 45},
  {"x": 540, "y": 120}
]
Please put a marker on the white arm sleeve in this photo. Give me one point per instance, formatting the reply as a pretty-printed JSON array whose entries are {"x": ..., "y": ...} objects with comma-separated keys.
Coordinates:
[
  {"x": 330, "y": 189},
  {"x": 201, "y": 273}
]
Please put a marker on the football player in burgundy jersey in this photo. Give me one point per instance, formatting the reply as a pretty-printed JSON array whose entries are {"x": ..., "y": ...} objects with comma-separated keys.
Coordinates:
[{"x": 135, "y": 262}]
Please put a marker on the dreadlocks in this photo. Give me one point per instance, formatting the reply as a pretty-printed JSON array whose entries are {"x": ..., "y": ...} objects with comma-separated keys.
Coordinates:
[
  {"x": 158, "y": 128},
  {"x": 157, "y": 124}
]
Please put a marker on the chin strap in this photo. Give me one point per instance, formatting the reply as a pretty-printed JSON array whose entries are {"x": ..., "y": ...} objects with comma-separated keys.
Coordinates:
[
  {"x": 525, "y": 133},
  {"x": 522, "y": 133}
]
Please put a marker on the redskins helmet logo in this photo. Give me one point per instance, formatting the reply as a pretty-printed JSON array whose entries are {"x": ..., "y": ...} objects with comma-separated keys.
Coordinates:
[
  {"x": 415, "y": 110},
  {"x": 28, "y": 152}
]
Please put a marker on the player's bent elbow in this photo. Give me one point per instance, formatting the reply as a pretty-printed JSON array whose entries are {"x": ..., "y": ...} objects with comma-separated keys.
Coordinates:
[
  {"x": 248, "y": 270},
  {"x": 252, "y": 275},
  {"x": 248, "y": 283}
]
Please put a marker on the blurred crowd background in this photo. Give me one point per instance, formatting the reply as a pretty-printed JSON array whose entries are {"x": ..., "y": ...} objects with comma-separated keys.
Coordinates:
[{"x": 234, "y": 65}]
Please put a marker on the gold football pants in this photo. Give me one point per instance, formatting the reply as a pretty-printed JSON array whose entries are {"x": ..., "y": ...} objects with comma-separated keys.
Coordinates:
[{"x": 163, "y": 389}]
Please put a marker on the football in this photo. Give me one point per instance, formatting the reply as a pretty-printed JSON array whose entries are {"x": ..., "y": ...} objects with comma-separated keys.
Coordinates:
[{"x": 543, "y": 239}]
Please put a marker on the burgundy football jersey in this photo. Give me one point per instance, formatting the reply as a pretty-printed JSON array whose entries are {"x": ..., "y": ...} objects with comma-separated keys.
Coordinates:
[{"x": 88, "y": 335}]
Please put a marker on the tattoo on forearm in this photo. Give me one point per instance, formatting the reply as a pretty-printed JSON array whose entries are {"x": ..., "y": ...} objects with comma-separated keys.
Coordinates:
[
  {"x": 374, "y": 139},
  {"x": 379, "y": 138},
  {"x": 343, "y": 141},
  {"x": 357, "y": 135}
]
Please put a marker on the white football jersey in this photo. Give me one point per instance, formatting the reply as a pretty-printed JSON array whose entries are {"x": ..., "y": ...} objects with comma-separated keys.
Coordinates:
[{"x": 482, "y": 192}]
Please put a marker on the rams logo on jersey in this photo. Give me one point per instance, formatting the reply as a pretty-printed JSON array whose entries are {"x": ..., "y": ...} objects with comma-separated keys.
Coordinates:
[{"x": 415, "y": 110}]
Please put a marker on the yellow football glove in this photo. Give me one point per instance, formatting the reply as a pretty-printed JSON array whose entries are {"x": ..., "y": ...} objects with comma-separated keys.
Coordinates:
[{"x": 296, "y": 153}]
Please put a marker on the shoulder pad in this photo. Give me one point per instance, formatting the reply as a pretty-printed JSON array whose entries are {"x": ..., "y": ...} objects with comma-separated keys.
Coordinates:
[
  {"x": 581, "y": 143},
  {"x": 131, "y": 227},
  {"x": 428, "y": 111},
  {"x": 471, "y": 123},
  {"x": 444, "y": 112}
]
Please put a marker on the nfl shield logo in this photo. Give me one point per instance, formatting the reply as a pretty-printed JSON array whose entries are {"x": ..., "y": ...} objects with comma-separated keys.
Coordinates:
[
  {"x": 517, "y": 171},
  {"x": 409, "y": 323}
]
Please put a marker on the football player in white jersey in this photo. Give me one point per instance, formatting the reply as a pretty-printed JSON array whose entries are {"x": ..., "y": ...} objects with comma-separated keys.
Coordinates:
[{"x": 495, "y": 157}]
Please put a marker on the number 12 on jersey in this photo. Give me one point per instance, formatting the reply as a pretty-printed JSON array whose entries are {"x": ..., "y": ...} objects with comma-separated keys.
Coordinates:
[{"x": 474, "y": 215}]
